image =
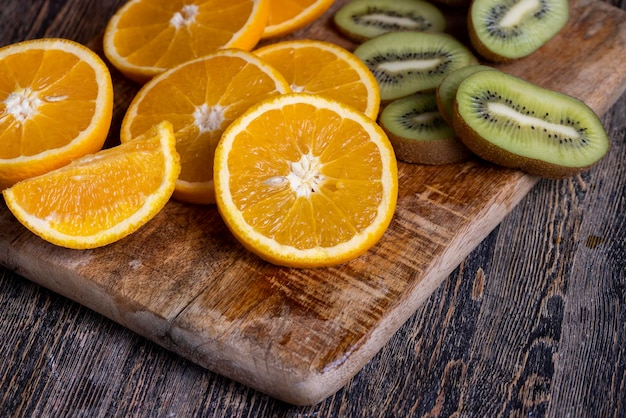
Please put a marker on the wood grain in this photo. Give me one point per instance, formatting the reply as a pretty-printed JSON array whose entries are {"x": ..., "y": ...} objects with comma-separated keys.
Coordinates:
[{"x": 317, "y": 326}]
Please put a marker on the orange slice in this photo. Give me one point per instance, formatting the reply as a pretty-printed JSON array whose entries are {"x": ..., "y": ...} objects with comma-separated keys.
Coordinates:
[
  {"x": 305, "y": 181},
  {"x": 286, "y": 16},
  {"x": 323, "y": 68},
  {"x": 146, "y": 37},
  {"x": 100, "y": 198},
  {"x": 56, "y": 104},
  {"x": 201, "y": 98}
]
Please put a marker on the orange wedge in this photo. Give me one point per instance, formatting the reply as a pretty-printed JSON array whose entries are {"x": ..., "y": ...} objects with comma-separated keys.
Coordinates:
[
  {"x": 100, "y": 198},
  {"x": 56, "y": 103},
  {"x": 286, "y": 16},
  {"x": 305, "y": 181},
  {"x": 201, "y": 98},
  {"x": 319, "y": 67},
  {"x": 146, "y": 37}
]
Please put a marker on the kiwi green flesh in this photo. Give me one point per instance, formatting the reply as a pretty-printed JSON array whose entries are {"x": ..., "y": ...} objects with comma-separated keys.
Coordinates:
[
  {"x": 405, "y": 63},
  {"x": 446, "y": 91},
  {"x": 360, "y": 20},
  {"x": 505, "y": 30},
  {"x": 418, "y": 132},
  {"x": 514, "y": 123}
]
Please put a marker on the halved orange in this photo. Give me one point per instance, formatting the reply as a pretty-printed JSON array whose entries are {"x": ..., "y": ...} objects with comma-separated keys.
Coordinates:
[
  {"x": 146, "y": 37},
  {"x": 286, "y": 16},
  {"x": 320, "y": 67},
  {"x": 100, "y": 198},
  {"x": 201, "y": 98},
  {"x": 56, "y": 104},
  {"x": 305, "y": 181}
]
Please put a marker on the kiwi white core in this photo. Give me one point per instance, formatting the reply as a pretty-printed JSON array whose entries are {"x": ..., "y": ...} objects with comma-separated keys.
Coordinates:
[
  {"x": 517, "y": 13},
  {"x": 426, "y": 117},
  {"x": 503, "y": 110},
  {"x": 400, "y": 66},
  {"x": 403, "y": 22}
]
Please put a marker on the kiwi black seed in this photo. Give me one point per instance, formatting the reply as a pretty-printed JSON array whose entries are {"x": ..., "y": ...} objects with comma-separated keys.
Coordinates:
[
  {"x": 360, "y": 20},
  {"x": 446, "y": 91},
  {"x": 505, "y": 30},
  {"x": 517, "y": 124},
  {"x": 418, "y": 132},
  {"x": 405, "y": 63}
]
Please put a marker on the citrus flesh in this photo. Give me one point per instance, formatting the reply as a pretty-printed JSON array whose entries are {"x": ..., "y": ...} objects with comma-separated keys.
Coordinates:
[
  {"x": 286, "y": 16},
  {"x": 320, "y": 67},
  {"x": 146, "y": 37},
  {"x": 305, "y": 181},
  {"x": 56, "y": 104},
  {"x": 100, "y": 198},
  {"x": 201, "y": 98}
]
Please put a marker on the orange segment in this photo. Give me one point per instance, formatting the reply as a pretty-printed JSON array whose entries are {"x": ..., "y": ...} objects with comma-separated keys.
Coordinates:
[
  {"x": 286, "y": 16},
  {"x": 305, "y": 181},
  {"x": 201, "y": 98},
  {"x": 100, "y": 198},
  {"x": 146, "y": 37},
  {"x": 320, "y": 67},
  {"x": 56, "y": 104}
]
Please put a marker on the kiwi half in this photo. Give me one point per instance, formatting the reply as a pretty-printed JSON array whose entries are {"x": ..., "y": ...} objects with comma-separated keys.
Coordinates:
[
  {"x": 514, "y": 123},
  {"x": 505, "y": 30},
  {"x": 360, "y": 20},
  {"x": 418, "y": 132},
  {"x": 405, "y": 63},
  {"x": 446, "y": 91}
]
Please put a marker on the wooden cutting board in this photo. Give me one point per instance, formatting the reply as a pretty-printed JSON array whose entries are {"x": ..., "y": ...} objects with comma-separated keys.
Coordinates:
[{"x": 299, "y": 335}]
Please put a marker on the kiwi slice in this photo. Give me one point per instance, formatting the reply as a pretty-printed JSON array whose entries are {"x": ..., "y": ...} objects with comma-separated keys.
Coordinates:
[
  {"x": 405, "y": 63},
  {"x": 360, "y": 20},
  {"x": 517, "y": 124},
  {"x": 418, "y": 132},
  {"x": 505, "y": 30},
  {"x": 446, "y": 91}
]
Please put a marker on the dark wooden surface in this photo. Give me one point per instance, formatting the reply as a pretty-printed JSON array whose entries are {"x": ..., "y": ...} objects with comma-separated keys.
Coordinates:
[{"x": 532, "y": 323}]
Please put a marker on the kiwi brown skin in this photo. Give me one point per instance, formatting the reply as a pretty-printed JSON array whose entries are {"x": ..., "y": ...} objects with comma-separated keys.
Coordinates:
[
  {"x": 492, "y": 153},
  {"x": 480, "y": 47},
  {"x": 436, "y": 152},
  {"x": 435, "y": 143},
  {"x": 354, "y": 37}
]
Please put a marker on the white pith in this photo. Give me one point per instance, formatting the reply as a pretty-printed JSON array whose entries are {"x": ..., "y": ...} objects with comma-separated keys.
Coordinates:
[
  {"x": 22, "y": 104},
  {"x": 500, "y": 109},
  {"x": 208, "y": 118},
  {"x": 400, "y": 66},
  {"x": 305, "y": 177},
  {"x": 517, "y": 13},
  {"x": 185, "y": 17}
]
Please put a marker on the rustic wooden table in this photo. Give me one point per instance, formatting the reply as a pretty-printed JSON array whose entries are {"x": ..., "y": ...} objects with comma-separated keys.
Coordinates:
[{"x": 532, "y": 323}]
